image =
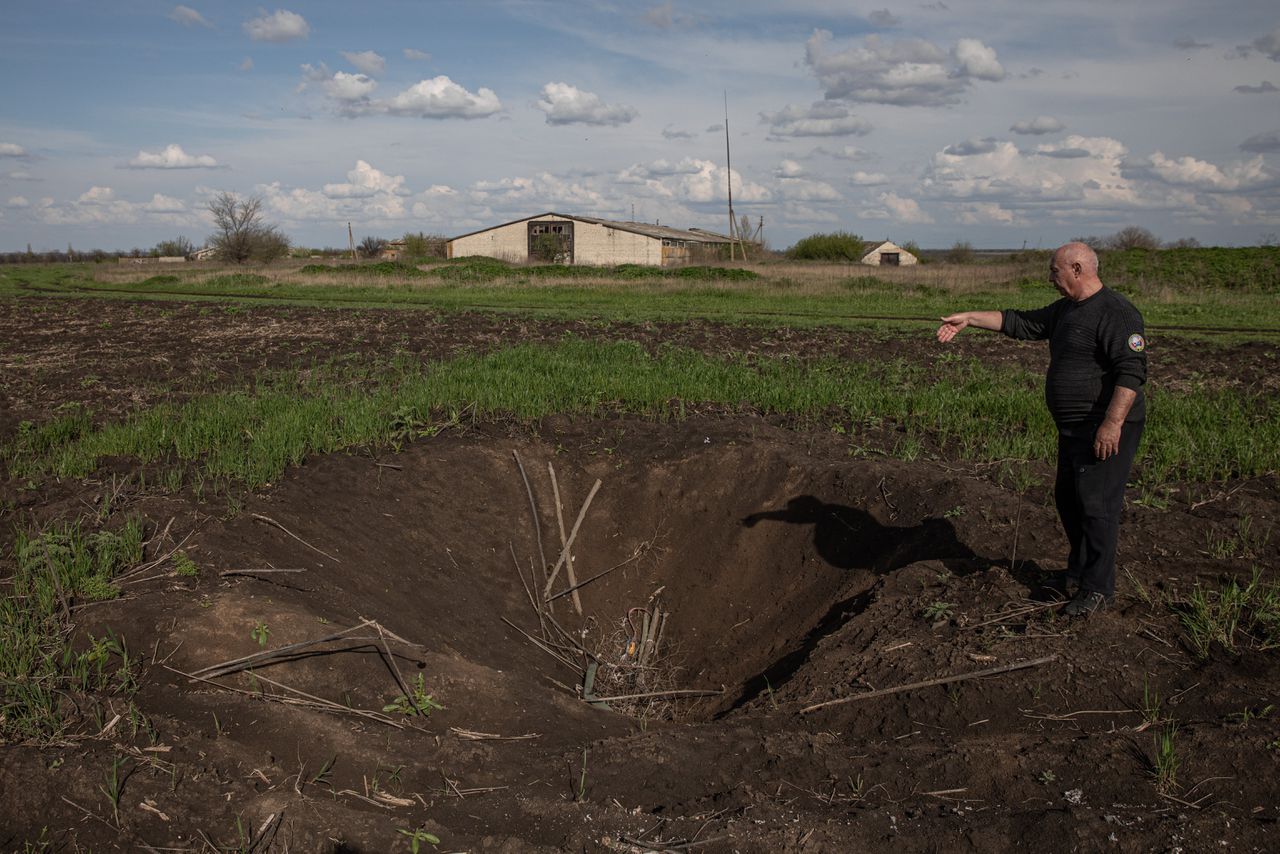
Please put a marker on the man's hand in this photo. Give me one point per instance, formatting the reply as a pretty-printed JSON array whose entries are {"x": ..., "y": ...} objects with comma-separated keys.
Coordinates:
[
  {"x": 951, "y": 325},
  {"x": 1106, "y": 442}
]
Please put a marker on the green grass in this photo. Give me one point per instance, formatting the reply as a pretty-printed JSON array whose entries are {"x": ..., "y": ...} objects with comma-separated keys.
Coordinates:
[
  {"x": 1167, "y": 762},
  {"x": 41, "y": 674},
  {"x": 635, "y": 293},
  {"x": 964, "y": 408},
  {"x": 1231, "y": 616},
  {"x": 1211, "y": 268}
]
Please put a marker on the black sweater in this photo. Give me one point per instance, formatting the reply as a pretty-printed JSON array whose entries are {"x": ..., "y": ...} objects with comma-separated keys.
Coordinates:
[{"x": 1094, "y": 345}]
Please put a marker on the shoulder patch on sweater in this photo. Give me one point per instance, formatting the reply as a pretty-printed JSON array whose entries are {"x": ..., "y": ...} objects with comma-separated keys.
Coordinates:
[{"x": 1137, "y": 343}]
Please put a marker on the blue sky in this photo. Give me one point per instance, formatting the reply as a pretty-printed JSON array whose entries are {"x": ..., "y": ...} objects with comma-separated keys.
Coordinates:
[{"x": 1001, "y": 123}]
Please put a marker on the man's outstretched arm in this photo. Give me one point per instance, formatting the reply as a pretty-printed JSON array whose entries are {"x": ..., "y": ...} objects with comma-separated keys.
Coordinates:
[{"x": 953, "y": 323}]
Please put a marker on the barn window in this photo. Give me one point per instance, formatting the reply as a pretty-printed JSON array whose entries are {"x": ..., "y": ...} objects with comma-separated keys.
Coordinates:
[{"x": 551, "y": 241}]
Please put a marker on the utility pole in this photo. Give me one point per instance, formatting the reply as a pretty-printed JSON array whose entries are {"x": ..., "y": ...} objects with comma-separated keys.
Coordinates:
[
  {"x": 351, "y": 239},
  {"x": 728, "y": 176}
]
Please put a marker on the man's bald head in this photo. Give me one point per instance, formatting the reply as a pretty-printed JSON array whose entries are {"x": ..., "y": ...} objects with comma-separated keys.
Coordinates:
[
  {"x": 1074, "y": 271},
  {"x": 1078, "y": 253}
]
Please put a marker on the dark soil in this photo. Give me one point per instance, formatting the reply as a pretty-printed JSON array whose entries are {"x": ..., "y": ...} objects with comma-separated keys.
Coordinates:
[
  {"x": 116, "y": 355},
  {"x": 794, "y": 574}
]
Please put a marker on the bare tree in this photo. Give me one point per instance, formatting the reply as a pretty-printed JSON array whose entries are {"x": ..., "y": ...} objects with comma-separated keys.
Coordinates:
[
  {"x": 1093, "y": 241},
  {"x": 179, "y": 247},
  {"x": 961, "y": 252},
  {"x": 242, "y": 234},
  {"x": 1133, "y": 237},
  {"x": 370, "y": 247}
]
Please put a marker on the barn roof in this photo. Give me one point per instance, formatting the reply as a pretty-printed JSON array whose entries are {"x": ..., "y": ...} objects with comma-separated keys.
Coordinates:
[{"x": 660, "y": 232}]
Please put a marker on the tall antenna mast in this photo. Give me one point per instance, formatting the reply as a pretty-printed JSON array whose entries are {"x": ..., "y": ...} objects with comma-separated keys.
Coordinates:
[{"x": 728, "y": 168}]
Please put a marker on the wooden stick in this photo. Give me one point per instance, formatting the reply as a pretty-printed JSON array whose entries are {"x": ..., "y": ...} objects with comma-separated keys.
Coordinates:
[
  {"x": 472, "y": 735},
  {"x": 227, "y": 573},
  {"x": 595, "y": 577},
  {"x": 543, "y": 646},
  {"x": 247, "y": 661},
  {"x": 573, "y": 581},
  {"x": 395, "y": 670},
  {"x": 311, "y": 701},
  {"x": 942, "y": 680},
  {"x": 533, "y": 509},
  {"x": 689, "y": 692},
  {"x": 138, "y": 570},
  {"x": 572, "y": 536},
  {"x": 271, "y": 521},
  {"x": 528, "y": 592}
]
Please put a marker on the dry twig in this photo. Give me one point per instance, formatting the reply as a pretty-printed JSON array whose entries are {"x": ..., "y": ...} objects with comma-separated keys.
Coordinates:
[
  {"x": 942, "y": 680},
  {"x": 573, "y": 535},
  {"x": 533, "y": 509},
  {"x": 573, "y": 581},
  {"x": 259, "y": 517}
]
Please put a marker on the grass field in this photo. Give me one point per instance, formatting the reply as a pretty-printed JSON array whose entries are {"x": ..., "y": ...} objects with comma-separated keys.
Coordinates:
[
  {"x": 962, "y": 408},
  {"x": 1186, "y": 293}
]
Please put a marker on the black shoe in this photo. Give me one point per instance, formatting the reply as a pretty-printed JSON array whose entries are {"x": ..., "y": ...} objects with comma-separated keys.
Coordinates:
[
  {"x": 1086, "y": 603},
  {"x": 1056, "y": 588}
]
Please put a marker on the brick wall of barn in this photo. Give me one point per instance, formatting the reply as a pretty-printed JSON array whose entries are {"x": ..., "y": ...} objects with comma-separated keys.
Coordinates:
[{"x": 592, "y": 244}]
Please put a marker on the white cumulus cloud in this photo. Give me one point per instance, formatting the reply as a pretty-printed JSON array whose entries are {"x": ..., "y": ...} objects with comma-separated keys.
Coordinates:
[
  {"x": 690, "y": 180},
  {"x": 542, "y": 190},
  {"x": 10, "y": 149},
  {"x": 847, "y": 152},
  {"x": 807, "y": 190},
  {"x": 1203, "y": 175},
  {"x": 980, "y": 213},
  {"x": 412, "y": 53},
  {"x": 96, "y": 196},
  {"x": 365, "y": 181},
  {"x": 976, "y": 60},
  {"x": 172, "y": 157},
  {"x": 441, "y": 98},
  {"x": 823, "y": 118},
  {"x": 280, "y": 26},
  {"x": 789, "y": 169},
  {"x": 565, "y": 104},
  {"x": 904, "y": 210},
  {"x": 367, "y": 61},
  {"x": 188, "y": 17},
  {"x": 164, "y": 204},
  {"x": 912, "y": 72},
  {"x": 18, "y": 202},
  {"x": 349, "y": 87},
  {"x": 868, "y": 179}
]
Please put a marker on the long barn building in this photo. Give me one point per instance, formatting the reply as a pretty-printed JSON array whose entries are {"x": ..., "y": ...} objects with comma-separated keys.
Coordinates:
[{"x": 570, "y": 239}]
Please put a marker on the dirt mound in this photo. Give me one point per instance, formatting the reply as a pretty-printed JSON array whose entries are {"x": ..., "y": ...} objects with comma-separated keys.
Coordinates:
[{"x": 788, "y": 574}]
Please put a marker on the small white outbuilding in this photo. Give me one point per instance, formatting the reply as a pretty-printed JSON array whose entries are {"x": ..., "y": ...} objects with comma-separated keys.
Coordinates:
[{"x": 889, "y": 254}]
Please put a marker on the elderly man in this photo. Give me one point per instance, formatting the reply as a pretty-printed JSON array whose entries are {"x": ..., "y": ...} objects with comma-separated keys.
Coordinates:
[{"x": 1097, "y": 367}]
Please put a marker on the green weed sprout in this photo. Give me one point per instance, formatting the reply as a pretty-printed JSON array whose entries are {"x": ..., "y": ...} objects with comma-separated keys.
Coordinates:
[{"x": 402, "y": 705}]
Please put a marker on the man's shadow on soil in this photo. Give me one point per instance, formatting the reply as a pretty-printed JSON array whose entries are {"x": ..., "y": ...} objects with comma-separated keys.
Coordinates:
[{"x": 848, "y": 538}]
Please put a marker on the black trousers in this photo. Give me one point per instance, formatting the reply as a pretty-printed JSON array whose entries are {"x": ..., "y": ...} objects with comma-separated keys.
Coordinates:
[{"x": 1090, "y": 495}]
